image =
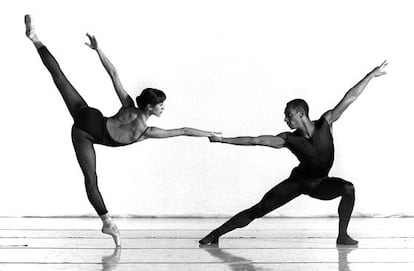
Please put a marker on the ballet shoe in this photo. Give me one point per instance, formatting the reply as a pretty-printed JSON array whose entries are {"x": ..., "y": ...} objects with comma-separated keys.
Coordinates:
[
  {"x": 113, "y": 231},
  {"x": 30, "y": 32},
  {"x": 346, "y": 240},
  {"x": 210, "y": 239}
]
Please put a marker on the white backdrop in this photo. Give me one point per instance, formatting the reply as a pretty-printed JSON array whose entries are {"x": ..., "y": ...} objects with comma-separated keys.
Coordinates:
[{"x": 227, "y": 66}]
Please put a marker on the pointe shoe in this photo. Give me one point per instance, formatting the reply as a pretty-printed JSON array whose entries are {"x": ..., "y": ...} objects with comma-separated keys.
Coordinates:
[
  {"x": 113, "y": 231},
  {"x": 210, "y": 239},
  {"x": 30, "y": 31}
]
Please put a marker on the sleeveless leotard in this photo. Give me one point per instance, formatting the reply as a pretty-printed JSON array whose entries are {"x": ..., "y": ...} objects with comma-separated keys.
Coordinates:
[
  {"x": 315, "y": 154},
  {"x": 92, "y": 121}
]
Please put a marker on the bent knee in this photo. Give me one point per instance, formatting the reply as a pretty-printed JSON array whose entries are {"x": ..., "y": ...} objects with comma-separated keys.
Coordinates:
[{"x": 349, "y": 189}]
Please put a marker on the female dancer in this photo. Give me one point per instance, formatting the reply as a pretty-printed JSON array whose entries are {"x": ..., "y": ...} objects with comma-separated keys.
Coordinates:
[{"x": 91, "y": 127}]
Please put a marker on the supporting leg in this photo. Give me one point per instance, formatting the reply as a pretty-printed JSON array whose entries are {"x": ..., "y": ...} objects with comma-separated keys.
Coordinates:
[
  {"x": 85, "y": 154},
  {"x": 331, "y": 188}
]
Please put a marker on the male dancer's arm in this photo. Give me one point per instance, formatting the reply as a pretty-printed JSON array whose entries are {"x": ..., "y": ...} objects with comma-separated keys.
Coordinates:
[
  {"x": 123, "y": 96},
  {"x": 352, "y": 94},
  {"x": 264, "y": 140}
]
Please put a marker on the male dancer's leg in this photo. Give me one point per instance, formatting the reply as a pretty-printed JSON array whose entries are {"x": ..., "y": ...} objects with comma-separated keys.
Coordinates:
[
  {"x": 273, "y": 199},
  {"x": 331, "y": 188}
]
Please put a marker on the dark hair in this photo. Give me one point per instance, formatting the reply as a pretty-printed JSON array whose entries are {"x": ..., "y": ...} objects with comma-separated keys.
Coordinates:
[
  {"x": 150, "y": 96},
  {"x": 299, "y": 105}
]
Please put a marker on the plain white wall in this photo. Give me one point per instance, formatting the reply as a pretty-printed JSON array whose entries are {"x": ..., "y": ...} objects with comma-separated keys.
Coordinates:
[{"x": 227, "y": 66}]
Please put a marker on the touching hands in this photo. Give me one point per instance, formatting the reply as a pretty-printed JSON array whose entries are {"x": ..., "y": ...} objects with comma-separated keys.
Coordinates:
[
  {"x": 216, "y": 137},
  {"x": 93, "y": 43},
  {"x": 378, "y": 71}
]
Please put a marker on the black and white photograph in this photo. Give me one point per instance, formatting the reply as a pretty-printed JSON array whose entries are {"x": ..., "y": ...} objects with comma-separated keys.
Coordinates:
[{"x": 207, "y": 135}]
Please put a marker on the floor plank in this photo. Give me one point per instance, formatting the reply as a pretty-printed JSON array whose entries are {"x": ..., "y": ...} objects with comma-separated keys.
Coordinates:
[{"x": 171, "y": 244}]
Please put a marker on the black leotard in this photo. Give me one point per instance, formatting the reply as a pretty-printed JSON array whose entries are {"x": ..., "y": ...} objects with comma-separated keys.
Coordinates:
[
  {"x": 91, "y": 120},
  {"x": 315, "y": 154}
]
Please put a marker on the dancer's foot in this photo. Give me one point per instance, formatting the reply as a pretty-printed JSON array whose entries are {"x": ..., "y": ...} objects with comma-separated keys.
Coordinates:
[
  {"x": 113, "y": 231},
  {"x": 30, "y": 31},
  {"x": 210, "y": 239},
  {"x": 346, "y": 240}
]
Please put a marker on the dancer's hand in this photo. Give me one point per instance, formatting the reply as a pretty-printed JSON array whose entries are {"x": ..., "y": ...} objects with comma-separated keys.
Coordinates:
[
  {"x": 216, "y": 137},
  {"x": 378, "y": 71},
  {"x": 93, "y": 42}
]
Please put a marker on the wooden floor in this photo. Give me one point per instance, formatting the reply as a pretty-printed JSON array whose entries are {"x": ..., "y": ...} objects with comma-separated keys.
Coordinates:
[{"x": 171, "y": 244}]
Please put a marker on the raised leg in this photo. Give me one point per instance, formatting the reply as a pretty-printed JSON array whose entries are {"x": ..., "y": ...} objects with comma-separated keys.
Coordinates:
[
  {"x": 74, "y": 102},
  {"x": 85, "y": 154},
  {"x": 276, "y": 197},
  {"x": 331, "y": 188}
]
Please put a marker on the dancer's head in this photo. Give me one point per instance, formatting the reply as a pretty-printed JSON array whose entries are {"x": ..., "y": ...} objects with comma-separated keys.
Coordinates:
[
  {"x": 152, "y": 100},
  {"x": 296, "y": 110}
]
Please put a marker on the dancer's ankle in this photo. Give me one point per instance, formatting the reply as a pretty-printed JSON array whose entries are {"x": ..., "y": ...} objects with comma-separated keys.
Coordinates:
[{"x": 106, "y": 219}]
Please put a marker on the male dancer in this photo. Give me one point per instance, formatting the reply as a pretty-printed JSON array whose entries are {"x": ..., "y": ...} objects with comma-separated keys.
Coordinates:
[{"x": 312, "y": 144}]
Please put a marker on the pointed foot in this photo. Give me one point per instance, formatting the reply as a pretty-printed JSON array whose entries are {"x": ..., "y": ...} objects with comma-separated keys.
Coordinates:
[
  {"x": 30, "y": 32},
  {"x": 113, "y": 231},
  {"x": 210, "y": 239}
]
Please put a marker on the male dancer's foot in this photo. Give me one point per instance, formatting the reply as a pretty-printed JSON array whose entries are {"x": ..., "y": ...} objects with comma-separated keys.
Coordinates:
[
  {"x": 30, "y": 31},
  {"x": 346, "y": 240},
  {"x": 109, "y": 227},
  {"x": 211, "y": 239}
]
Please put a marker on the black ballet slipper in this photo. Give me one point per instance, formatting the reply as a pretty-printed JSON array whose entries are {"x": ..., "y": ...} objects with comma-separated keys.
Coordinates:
[
  {"x": 346, "y": 241},
  {"x": 210, "y": 239}
]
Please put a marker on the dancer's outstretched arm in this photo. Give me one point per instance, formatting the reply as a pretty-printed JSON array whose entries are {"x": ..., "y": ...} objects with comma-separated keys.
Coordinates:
[
  {"x": 352, "y": 94},
  {"x": 154, "y": 132},
  {"x": 123, "y": 96},
  {"x": 264, "y": 140}
]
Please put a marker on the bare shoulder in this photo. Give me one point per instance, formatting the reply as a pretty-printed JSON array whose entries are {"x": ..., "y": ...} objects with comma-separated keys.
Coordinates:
[
  {"x": 128, "y": 111},
  {"x": 126, "y": 114},
  {"x": 328, "y": 116}
]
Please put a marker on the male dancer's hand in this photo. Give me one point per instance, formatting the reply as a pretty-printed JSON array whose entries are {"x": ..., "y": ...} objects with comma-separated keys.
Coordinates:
[
  {"x": 216, "y": 137},
  {"x": 378, "y": 71},
  {"x": 93, "y": 42}
]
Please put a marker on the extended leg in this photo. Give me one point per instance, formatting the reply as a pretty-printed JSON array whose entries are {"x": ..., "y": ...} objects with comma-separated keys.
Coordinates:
[
  {"x": 72, "y": 98},
  {"x": 331, "y": 188},
  {"x": 276, "y": 197},
  {"x": 85, "y": 154}
]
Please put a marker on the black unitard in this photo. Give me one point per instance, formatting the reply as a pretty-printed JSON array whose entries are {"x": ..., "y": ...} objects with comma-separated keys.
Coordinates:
[
  {"x": 316, "y": 155},
  {"x": 89, "y": 128},
  {"x": 92, "y": 121}
]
